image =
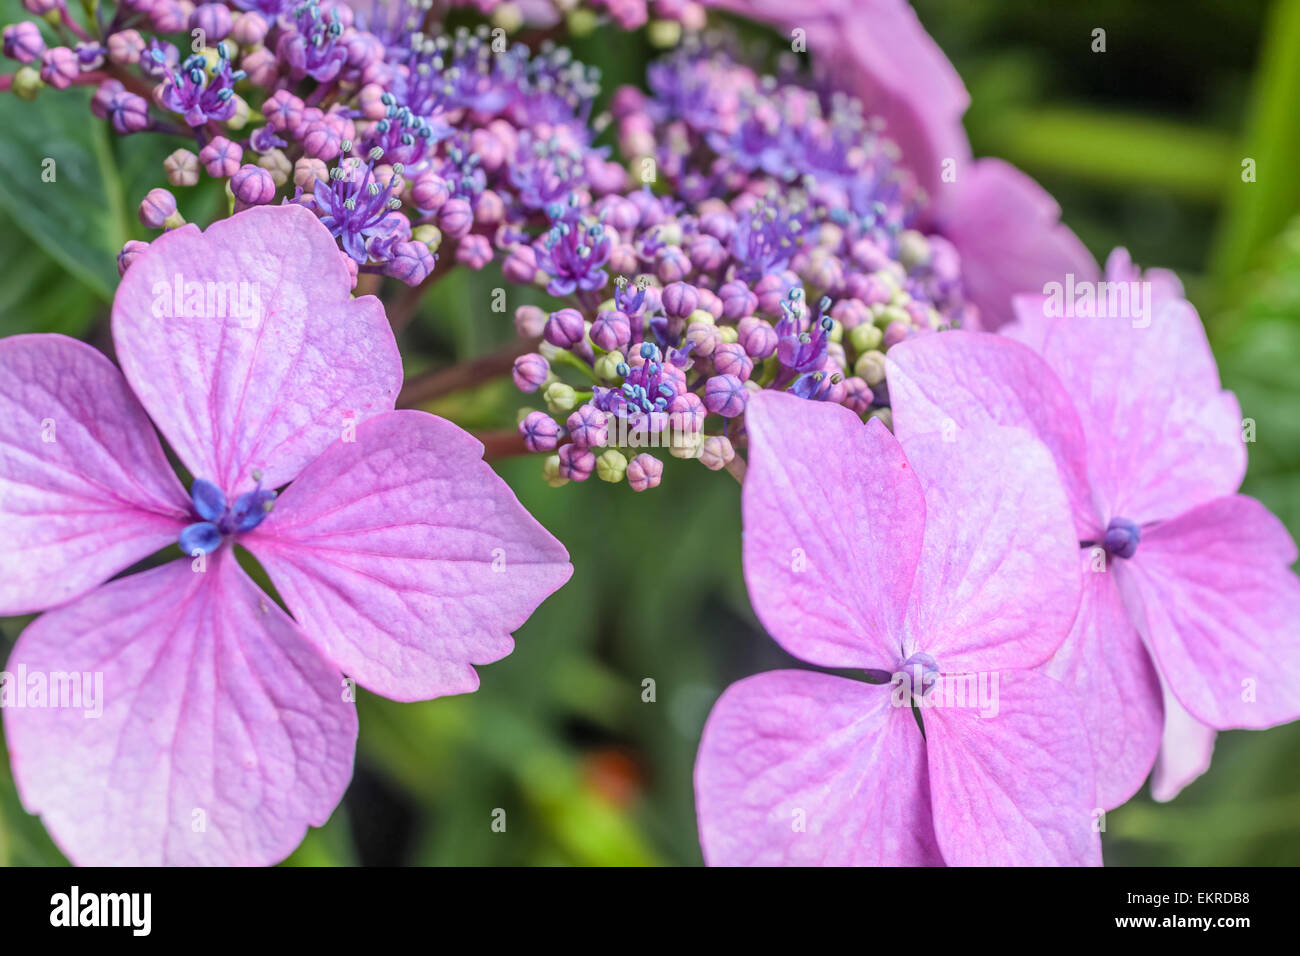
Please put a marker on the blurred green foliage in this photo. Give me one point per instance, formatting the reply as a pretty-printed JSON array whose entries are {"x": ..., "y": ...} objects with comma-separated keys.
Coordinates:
[{"x": 1141, "y": 145}]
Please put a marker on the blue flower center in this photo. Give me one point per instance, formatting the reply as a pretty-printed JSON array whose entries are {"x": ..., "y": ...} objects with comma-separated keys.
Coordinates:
[
  {"x": 1121, "y": 538},
  {"x": 221, "y": 520},
  {"x": 921, "y": 672}
]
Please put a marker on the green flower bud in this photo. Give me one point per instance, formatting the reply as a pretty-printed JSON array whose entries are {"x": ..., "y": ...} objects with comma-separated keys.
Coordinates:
[
  {"x": 239, "y": 119},
  {"x": 27, "y": 83},
  {"x": 611, "y": 466},
  {"x": 664, "y": 34},
  {"x": 892, "y": 313},
  {"x": 865, "y": 338},
  {"x": 728, "y": 334},
  {"x": 551, "y": 471},
  {"x": 686, "y": 444},
  {"x": 428, "y": 234},
  {"x": 560, "y": 398},
  {"x": 701, "y": 315},
  {"x": 582, "y": 22},
  {"x": 913, "y": 249},
  {"x": 508, "y": 17},
  {"x": 607, "y": 366},
  {"x": 670, "y": 234},
  {"x": 885, "y": 415},
  {"x": 871, "y": 367}
]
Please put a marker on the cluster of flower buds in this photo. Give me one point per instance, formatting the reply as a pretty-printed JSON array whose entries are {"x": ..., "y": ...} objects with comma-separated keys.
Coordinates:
[
  {"x": 791, "y": 264},
  {"x": 463, "y": 143}
]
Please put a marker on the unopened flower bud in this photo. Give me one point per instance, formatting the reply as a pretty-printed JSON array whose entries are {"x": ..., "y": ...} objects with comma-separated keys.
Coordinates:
[
  {"x": 679, "y": 299},
  {"x": 611, "y": 330},
  {"x": 252, "y": 185},
  {"x": 530, "y": 320},
  {"x": 606, "y": 367},
  {"x": 277, "y": 164},
  {"x": 588, "y": 427},
  {"x": 725, "y": 395},
  {"x": 530, "y": 372},
  {"x": 182, "y": 168},
  {"x": 540, "y": 431},
  {"x": 865, "y": 338},
  {"x": 565, "y": 328},
  {"x": 551, "y": 472},
  {"x": 870, "y": 367},
  {"x": 157, "y": 208},
  {"x": 455, "y": 218},
  {"x": 27, "y": 83},
  {"x": 23, "y": 42},
  {"x": 716, "y": 452},
  {"x": 644, "y": 472},
  {"x": 576, "y": 463},
  {"x": 611, "y": 466},
  {"x": 731, "y": 359},
  {"x": 560, "y": 398},
  {"x": 221, "y": 157}
]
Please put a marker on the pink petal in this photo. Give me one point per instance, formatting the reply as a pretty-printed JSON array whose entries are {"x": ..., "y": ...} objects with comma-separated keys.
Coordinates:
[
  {"x": 1015, "y": 788},
  {"x": 268, "y": 392},
  {"x": 85, "y": 489},
  {"x": 797, "y": 768},
  {"x": 998, "y": 582},
  {"x": 1108, "y": 669},
  {"x": 1008, "y": 231},
  {"x": 942, "y": 383},
  {"x": 1162, "y": 435},
  {"x": 1220, "y": 608},
  {"x": 405, "y": 557},
  {"x": 223, "y": 732},
  {"x": 1185, "y": 750},
  {"x": 833, "y": 522}
]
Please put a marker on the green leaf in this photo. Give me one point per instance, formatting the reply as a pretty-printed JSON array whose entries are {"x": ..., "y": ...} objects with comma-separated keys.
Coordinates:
[
  {"x": 78, "y": 218},
  {"x": 1110, "y": 149},
  {"x": 38, "y": 295},
  {"x": 1257, "y": 211}
]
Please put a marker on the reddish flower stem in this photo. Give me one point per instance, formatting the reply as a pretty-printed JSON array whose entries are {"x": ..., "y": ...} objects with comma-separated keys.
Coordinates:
[
  {"x": 506, "y": 443},
  {"x": 434, "y": 384}
]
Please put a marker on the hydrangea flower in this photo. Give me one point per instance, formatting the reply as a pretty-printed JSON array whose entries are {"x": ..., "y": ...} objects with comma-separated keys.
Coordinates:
[
  {"x": 1190, "y": 610},
  {"x": 952, "y": 562},
  {"x": 403, "y": 560}
]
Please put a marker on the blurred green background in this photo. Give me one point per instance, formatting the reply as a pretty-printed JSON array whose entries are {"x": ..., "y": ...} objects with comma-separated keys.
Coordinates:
[{"x": 1142, "y": 145}]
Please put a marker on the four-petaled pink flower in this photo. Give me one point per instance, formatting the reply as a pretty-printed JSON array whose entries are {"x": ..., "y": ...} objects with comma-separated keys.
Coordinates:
[
  {"x": 403, "y": 560},
  {"x": 1191, "y": 616},
  {"x": 952, "y": 562}
]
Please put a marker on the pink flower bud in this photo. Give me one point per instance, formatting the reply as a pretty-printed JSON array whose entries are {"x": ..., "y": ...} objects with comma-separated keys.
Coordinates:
[
  {"x": 576, "y": 463},
  {"x": 611, "y": 330},
  {"x": 644, "y": 472},
  {"x": 474, "y": 251},
  {"x": 530, "y": 371},
  {"x": 455, "y": 218},
  {"x": 221, "y": 157},
  {"x": 252, "y": 185}
]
